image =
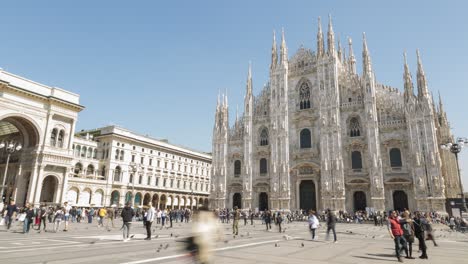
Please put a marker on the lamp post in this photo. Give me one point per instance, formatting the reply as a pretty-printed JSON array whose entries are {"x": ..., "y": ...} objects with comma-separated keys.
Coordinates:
[
  {"x": 10, "y": 148},
  {"x": 134, "y": 171},
  {"x": 456, "y": 148}
]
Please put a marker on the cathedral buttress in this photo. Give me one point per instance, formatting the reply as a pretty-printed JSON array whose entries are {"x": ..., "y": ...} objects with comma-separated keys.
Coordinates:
[
  {"x": 279, "y": 134},
  {"x": 248, "y": 140},
  {"x": 372, "y": 131}
]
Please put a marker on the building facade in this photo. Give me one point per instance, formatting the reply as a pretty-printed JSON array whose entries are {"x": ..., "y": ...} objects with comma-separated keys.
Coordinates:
[
  {"x": 319, "y": 135},
  {"x": 100, "y": 167}
]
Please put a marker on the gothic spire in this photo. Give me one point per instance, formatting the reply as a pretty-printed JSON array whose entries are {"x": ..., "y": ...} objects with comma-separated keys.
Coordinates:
[
  {"x": 274, "y": 52},
  {"x": 409, "y": 90},
  {"x": 352, "y": 59},
  {"x": 320, "y": 41},
  {"x": 441, "y": 105},
  {"x": 331, "y": 37},
  {"x": 249, "y": 81},
  {"x": 422, "y": 85},
  {"x": 366, "y": 61},
  {"x": 340, "y": 50},
  {"x": 283, "y": 49}
]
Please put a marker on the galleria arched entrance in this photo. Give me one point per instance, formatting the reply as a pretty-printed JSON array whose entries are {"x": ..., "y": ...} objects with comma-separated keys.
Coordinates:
[{"x": 17, "y": 131}]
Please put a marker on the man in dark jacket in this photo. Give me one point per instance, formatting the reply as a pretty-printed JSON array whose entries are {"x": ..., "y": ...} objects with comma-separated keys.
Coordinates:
[
  {"x": 419, "y": 228},
  {"x": 127, "y": 216},
  {"x": 331, "y": 223}
]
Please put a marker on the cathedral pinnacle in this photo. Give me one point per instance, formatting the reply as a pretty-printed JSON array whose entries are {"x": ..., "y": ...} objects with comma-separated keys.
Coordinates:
[
  {"x": 352, "y": 59},
  {"x": 331, "y": 37},
  {"x": 407, "y": 79},
  {"x": 366, "y": 61},
  {"x": 249, "y": 81},
  {"x": 284, "y": 49},
  {"x": 320, "y": 41},
  {"x": 422, "y": 85},
  {"x": 340, "y": 50},
  {"x": 274, "y": 52}
]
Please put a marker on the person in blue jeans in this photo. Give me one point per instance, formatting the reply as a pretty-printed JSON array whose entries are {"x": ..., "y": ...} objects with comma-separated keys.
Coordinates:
[{"x": 29, "y": 211}]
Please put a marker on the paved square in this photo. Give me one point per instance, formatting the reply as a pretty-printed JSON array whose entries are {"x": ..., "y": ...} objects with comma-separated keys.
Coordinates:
[{"x": 86, "y": 243}]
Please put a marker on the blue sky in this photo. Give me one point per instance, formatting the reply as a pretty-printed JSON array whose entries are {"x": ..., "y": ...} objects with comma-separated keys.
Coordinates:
[{"x": 156, "y": 67}]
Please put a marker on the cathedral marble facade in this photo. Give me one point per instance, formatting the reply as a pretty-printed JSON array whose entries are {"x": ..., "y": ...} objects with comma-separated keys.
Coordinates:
[{"x": 321, "y": 135}]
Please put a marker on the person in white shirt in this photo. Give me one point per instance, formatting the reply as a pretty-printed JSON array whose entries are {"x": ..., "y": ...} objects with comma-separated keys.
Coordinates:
[
  {"x": 158, "y": 217},
  {"x": 150, "y": 215},
  {"x": 67, "y": 209},
  {"x": 313, "y": 223}
]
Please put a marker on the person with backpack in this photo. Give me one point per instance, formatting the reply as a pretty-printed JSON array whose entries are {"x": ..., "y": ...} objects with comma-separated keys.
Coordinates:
[
  {"x": 419, "y": 229},
  {"x": 59, "y": 216},
  {"x": 408, "y": 233}
]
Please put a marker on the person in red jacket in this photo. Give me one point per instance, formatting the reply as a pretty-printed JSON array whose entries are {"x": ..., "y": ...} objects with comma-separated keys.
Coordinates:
[{"x": 396, "y": 233}]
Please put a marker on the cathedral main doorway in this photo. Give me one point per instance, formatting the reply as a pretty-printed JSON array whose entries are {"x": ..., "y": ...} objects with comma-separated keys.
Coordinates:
[
  {"x": 360, "y": 203},
  {"x": 307, "y": 195},
  {"x": 400, "y": 200},
  {"x": 237, "y": 200},
  {"x": 263, "y": 201}
]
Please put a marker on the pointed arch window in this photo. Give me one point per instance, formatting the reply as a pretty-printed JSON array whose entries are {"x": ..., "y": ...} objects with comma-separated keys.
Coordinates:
[
  {"x": 354, "y": 127},
  {"x": 305, "y": 138},
  {"x": 237, "y": 168},
  {"x": 304, "y": 96},
  {"x": 264, "y": 137},
  {"x": 53, "y": 137},
  {"x": 263, "y": 166},
  {"x": 90, "y": 170},
  {"x": 356, "y": 160},
  {"x": 395, "y": 158}
]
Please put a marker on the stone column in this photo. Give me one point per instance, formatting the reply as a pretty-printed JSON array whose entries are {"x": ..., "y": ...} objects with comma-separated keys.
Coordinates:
[{"x": 37, "y": 193}]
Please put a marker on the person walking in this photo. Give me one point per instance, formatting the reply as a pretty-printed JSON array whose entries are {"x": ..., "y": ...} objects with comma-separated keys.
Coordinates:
[
  {"x": 43, "y": 218},
  {"x": 235, "y": 223},
  {"x": 419, "y": 228},
  {"x": 408, "y": 233},
  {"x": 251, "y": 215},
  {"x": 430, "y": 230},
  {"x": 110, "y": 217},
  {"x": 163, "y": 217},
  {"x": 313, "y": 224},
  {"x": 267, "y": 219},
  {"x": 279, "y": 220},
  {"x": 396, "y": 233},
  {"x": 102, "y": 213},
  {"x": 10, "y": 213},
  {"x": 66, "y": 209},
  {"x": 150, "y": 216},
  {"x": 28, "y": 220},
  {"x": 331, "y": 224},
  {"x": 59, "y": 216},
  {"x": 127, "y": 216}
]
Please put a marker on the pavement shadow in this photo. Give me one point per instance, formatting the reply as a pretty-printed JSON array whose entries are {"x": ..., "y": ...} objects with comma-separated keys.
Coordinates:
[
  {"x": 383, "y": 255},
  {"x": 371, "y": 258}
]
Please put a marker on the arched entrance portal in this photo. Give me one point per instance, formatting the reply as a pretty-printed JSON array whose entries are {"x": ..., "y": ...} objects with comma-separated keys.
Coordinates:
[
  {"x": 147, "y": 199},
  {"x": 18, "y": 131},
  {"x": 307, "y": 195},
  {"x": 49, "y": 189},
  {"x": 400, "y": 201},
  {"x": 360, "y": 202},
  {"x": 263, "y": 201},
  {"x": 237, "y": 200}
]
